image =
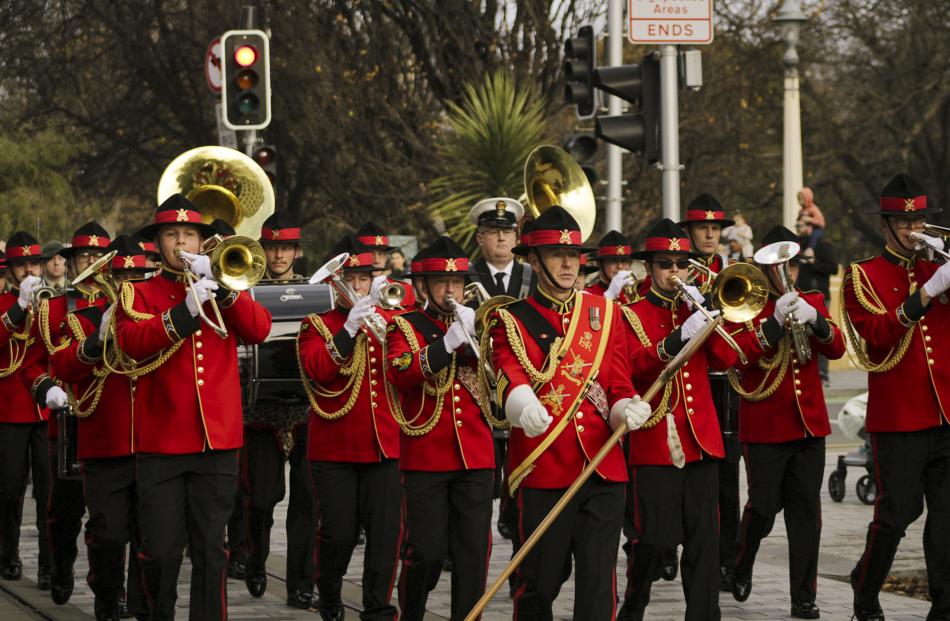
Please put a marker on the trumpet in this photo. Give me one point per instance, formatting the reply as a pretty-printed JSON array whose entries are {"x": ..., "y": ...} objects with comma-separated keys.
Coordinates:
[
  {"x": 776, "y": 257},
  {"x": 237, "y": 262},
  {"x": 45, "y": 291},
  {"x": 934, "y": 231}
]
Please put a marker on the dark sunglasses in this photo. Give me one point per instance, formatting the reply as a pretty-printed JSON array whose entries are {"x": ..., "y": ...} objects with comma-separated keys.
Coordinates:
[{"x": 665, "y": 264}]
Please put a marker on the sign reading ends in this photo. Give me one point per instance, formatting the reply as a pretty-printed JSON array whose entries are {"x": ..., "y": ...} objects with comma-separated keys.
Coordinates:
[{"x": 670, "y": 21}]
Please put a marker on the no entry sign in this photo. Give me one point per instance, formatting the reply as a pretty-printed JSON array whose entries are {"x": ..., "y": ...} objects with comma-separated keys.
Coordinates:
[{"x": 670, "y": 21}]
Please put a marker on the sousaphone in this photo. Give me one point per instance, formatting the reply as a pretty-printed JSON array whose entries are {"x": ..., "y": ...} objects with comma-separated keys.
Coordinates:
[{"x": 552, "y": 177}]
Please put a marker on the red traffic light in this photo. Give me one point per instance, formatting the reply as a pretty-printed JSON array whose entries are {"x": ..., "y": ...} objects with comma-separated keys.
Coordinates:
[
  {"x": 245, "y": 55},
  {"x": 264, "y": 157}
]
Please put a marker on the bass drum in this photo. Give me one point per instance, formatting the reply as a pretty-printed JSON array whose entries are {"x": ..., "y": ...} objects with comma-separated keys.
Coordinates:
[{"x": 270, "y": 375}]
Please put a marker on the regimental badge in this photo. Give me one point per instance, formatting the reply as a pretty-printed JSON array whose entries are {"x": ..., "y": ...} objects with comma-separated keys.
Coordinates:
[
  {"x": 554, "y": 400},
  {"x": 93, "y": 240},
  {"x": 379, "y": 241},
  {"x": 275, "y": 234},
  {"x": 710, "y": 215},
  {"x": 182, "y": 216},
  {"x": 26, "y": 251},
  {"x": 500, "y": 209},
  {"x": 621, "y": 250},
  {"x": 142, "y": 245},
  {"x": 403, "y": 362},
  {"x": 575, "y": 369},
  {"x": 129, "y": 262},
  {"x": 354, "y": 259},
  {"x": 909, "y": 204},
  {"x": 674, "y": 243},
  {"x": 594, "y": 319},
  {"x": 565, "y": 236}
]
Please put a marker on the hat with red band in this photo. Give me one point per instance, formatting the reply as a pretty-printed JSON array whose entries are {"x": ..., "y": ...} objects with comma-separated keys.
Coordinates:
[
  {"x": 23, "y": 247},
  {"x": 177, "y": 210},
  {"x": 146, "y": 245},
  {"x": 555, "y": 228},
  {"x": 443, "y": 256},
  {"x": 3, "y": 261},
  {"x": 374, "y": 237},
  {"x": 665, "y": 236},
  {"x": 129, "y": 255},
  {"x": 361, "y": 255},
  {"x": 587, "y": 267},
  {"x": 903, "y": 197},
  {"x": 705, "y": 208},
  {"x": 90, "y": 236},
  {"x": 280, "y": 228},
  {"x": 614, "y": 245}
]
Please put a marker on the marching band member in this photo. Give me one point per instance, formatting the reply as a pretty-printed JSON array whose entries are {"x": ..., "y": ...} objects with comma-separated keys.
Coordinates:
[
  {"x": 353, "y": 442},
  {"x": 896, "y": 303},
  {"x": 3, "y": 289},
  {"x": 188, "y": 426},
  {"x": 274, "y": 434},
  {"x": 674, "y": 464},
  {"x": 783, "y": 426},
  {"x": 496, "y": 221},
  {"x": 104, "y": 407},
  {"x": 66, "y": 502},
  {"x": 614, "y": 258},
  {"x": 378, "y": 242},
  {"x": 447, "y": 454},
  {"x": 23, "y": 441},
  {"x": 563, "y": 390}
]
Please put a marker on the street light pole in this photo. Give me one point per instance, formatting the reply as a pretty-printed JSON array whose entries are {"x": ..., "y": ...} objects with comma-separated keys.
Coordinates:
[
  {"x": 614, "y": 206},
  {"x": 790, "y": 18}
]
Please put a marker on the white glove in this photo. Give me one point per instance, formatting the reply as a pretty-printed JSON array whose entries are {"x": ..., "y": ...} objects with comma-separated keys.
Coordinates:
[
  {"x": 804, "y": 312},
  {"x": 939, "y": 282},
  {"x": 364, "y": 307},
  {"x": 524, "y": 410},
  {"x": 620, "y": 280},
  {"x": 198, "y": 264},
  {"x": 26, "y": 290},
  {"x": 630, "y": 412},
  {"x": 693, "y": 294},
  {"x": 104, "y": 322},
  {"x": 455, "y": 337},
  {"x": 694, "y": 323},
  {"x": 783, "y": 305},
  {"x": 205, "y": 288},
  {"x": 931, "y": 243},
  {"x": 378, "y": 283},
  {"x": 56, "y": 398}
]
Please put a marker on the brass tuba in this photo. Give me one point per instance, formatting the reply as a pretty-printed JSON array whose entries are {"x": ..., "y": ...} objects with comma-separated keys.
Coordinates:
[
  {"x": 775, "y": 258},
  {"x": 552, "y": 177}
]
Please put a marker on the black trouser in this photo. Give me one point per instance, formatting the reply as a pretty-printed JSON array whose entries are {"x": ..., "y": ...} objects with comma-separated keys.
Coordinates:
[
  {"x": 349, "y": 496},
  {"x": 264, "y": 479},
  {"x": 186, "y": 499},
  {"x": 909, "y": 467},
  {"x": 589, "y": 530},
  {"x": 445, "y": 512},
  {"x": 23, "y": 446},
  {"x": 63, "y": 517},
  {"x": 112, "y": 524},
  {"x": 237, "y": 526},
  {"x": 784, "y": 477},
  {"x": 671, "y": 506},
  {"x": 727, "y": 401}
]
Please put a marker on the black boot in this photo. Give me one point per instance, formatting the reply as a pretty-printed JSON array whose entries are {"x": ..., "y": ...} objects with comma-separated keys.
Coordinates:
[
  {"x": 256, "y": 583},
  {"x": 741, "y": 587},
  {"x": 62, "y": 587},
  {"x": 805, "y": 610},
  {"x": 12, "y": 569},
  {"x": 44, "y": 577},
  {"x": 303, "y": 598},
  {"x": 335, "y": 614}
]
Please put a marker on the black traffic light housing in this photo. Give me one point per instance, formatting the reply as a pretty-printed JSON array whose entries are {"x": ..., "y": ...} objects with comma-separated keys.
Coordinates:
[
  {"x": 245, "y": 79},
  {"x": 266, "y": 157},
  {"x": 580, "y": 60},
  {"x": 639, "y": 130},
  {"x": 583, "y": 147}
]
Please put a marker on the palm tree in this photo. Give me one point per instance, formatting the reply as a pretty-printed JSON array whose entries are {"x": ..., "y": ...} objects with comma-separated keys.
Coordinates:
[{"x": 492, "y": 132}]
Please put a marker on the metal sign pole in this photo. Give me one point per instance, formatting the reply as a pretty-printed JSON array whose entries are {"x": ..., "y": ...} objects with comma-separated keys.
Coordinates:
[
  {"x": 614, "y": 207},
  {"x": 670, "y": 129}
]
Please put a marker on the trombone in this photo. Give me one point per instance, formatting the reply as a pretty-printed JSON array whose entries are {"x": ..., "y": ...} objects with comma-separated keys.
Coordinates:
[
  {"x": 935, "y": 231},
  {"x": 739, "y": 292},
  {"x": 775, "y": 257}
]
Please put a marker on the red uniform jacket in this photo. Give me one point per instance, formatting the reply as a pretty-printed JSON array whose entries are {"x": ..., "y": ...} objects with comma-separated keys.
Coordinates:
[
  {"x": 418, "y": 362},
  {"x": 107, "y": 430},
  {"x": 690, "y": 399},
  {"x": 881, "y": 299},
  {"x": 563, "y": 461},
  {"x": 20, "y": 365},
  {"x": 599, "y": 288},
  {"x": 367, "y": 431},
  {"x": 192, "y": 401},
  {"x": 797, "y": 408}
]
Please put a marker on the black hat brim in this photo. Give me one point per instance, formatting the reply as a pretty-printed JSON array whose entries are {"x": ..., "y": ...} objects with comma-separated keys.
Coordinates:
[
  {"x": 150, "y": 231},
  {"x": 522, "y": 250},
  {"x": 906, "y": 214},
  {"x": 724, "y": 222},
  {"x": 646, "y": 255}
]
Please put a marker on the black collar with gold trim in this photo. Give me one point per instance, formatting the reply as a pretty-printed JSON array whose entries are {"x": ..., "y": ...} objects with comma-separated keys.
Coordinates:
[
  {"x": 172, "y": 274},
  {"x": 550, "y": 302},
  {"x": 661, "y": 299},
  {"x": 896, "y": 258}
]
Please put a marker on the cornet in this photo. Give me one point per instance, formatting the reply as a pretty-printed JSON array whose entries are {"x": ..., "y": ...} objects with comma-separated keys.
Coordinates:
[
  {"x": 474, "y": 291},
  {"x": 776, "y": 257}
]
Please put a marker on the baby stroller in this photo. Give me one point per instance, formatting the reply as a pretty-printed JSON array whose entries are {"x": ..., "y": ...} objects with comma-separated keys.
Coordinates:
[{"x": 851, "y": 422}]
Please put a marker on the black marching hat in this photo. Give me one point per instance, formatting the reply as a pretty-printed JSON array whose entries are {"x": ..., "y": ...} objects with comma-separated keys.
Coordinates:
[
  {"x": 443, "y": 256},
  {"x": 665, "y": 236},
  {"x": 903, "y": 197},
  {"x": 176, "y": 210},
  {"x": 555, "y": 228},
  {"x": 361, "y": 255}
]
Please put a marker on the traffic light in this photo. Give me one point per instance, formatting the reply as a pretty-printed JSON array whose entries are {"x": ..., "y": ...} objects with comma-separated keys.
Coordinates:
[
  {"x": 579, "y": 63},
  {"x": 639, "y": 85},
  {"x": 245, "y": 79},
  {"x": 266, "y": 158},
  {"x": 583, "y": 148}
]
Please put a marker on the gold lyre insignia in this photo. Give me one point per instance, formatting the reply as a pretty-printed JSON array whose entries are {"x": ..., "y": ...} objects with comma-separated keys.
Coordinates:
[
  {"x": 450, "y": 265},
  {"x": 565, "y": 236},
  {"x": 554, "y": 399},
  {"x": 182, "y": 216},
  {"x": 129, "y": 262},
  {"x": 909, "y": 204},
  {"x": 674, "y": 243}
]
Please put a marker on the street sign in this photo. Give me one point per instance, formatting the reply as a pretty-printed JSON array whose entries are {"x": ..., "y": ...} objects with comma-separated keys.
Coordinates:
[
  {"x": 670, "y": 22},
  {"x": 213, "y": 66},
  {"x": 226, "y": 136}
]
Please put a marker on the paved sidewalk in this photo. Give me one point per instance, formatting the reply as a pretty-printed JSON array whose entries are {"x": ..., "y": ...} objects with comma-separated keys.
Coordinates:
[{"x": 843, "y": 534}]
